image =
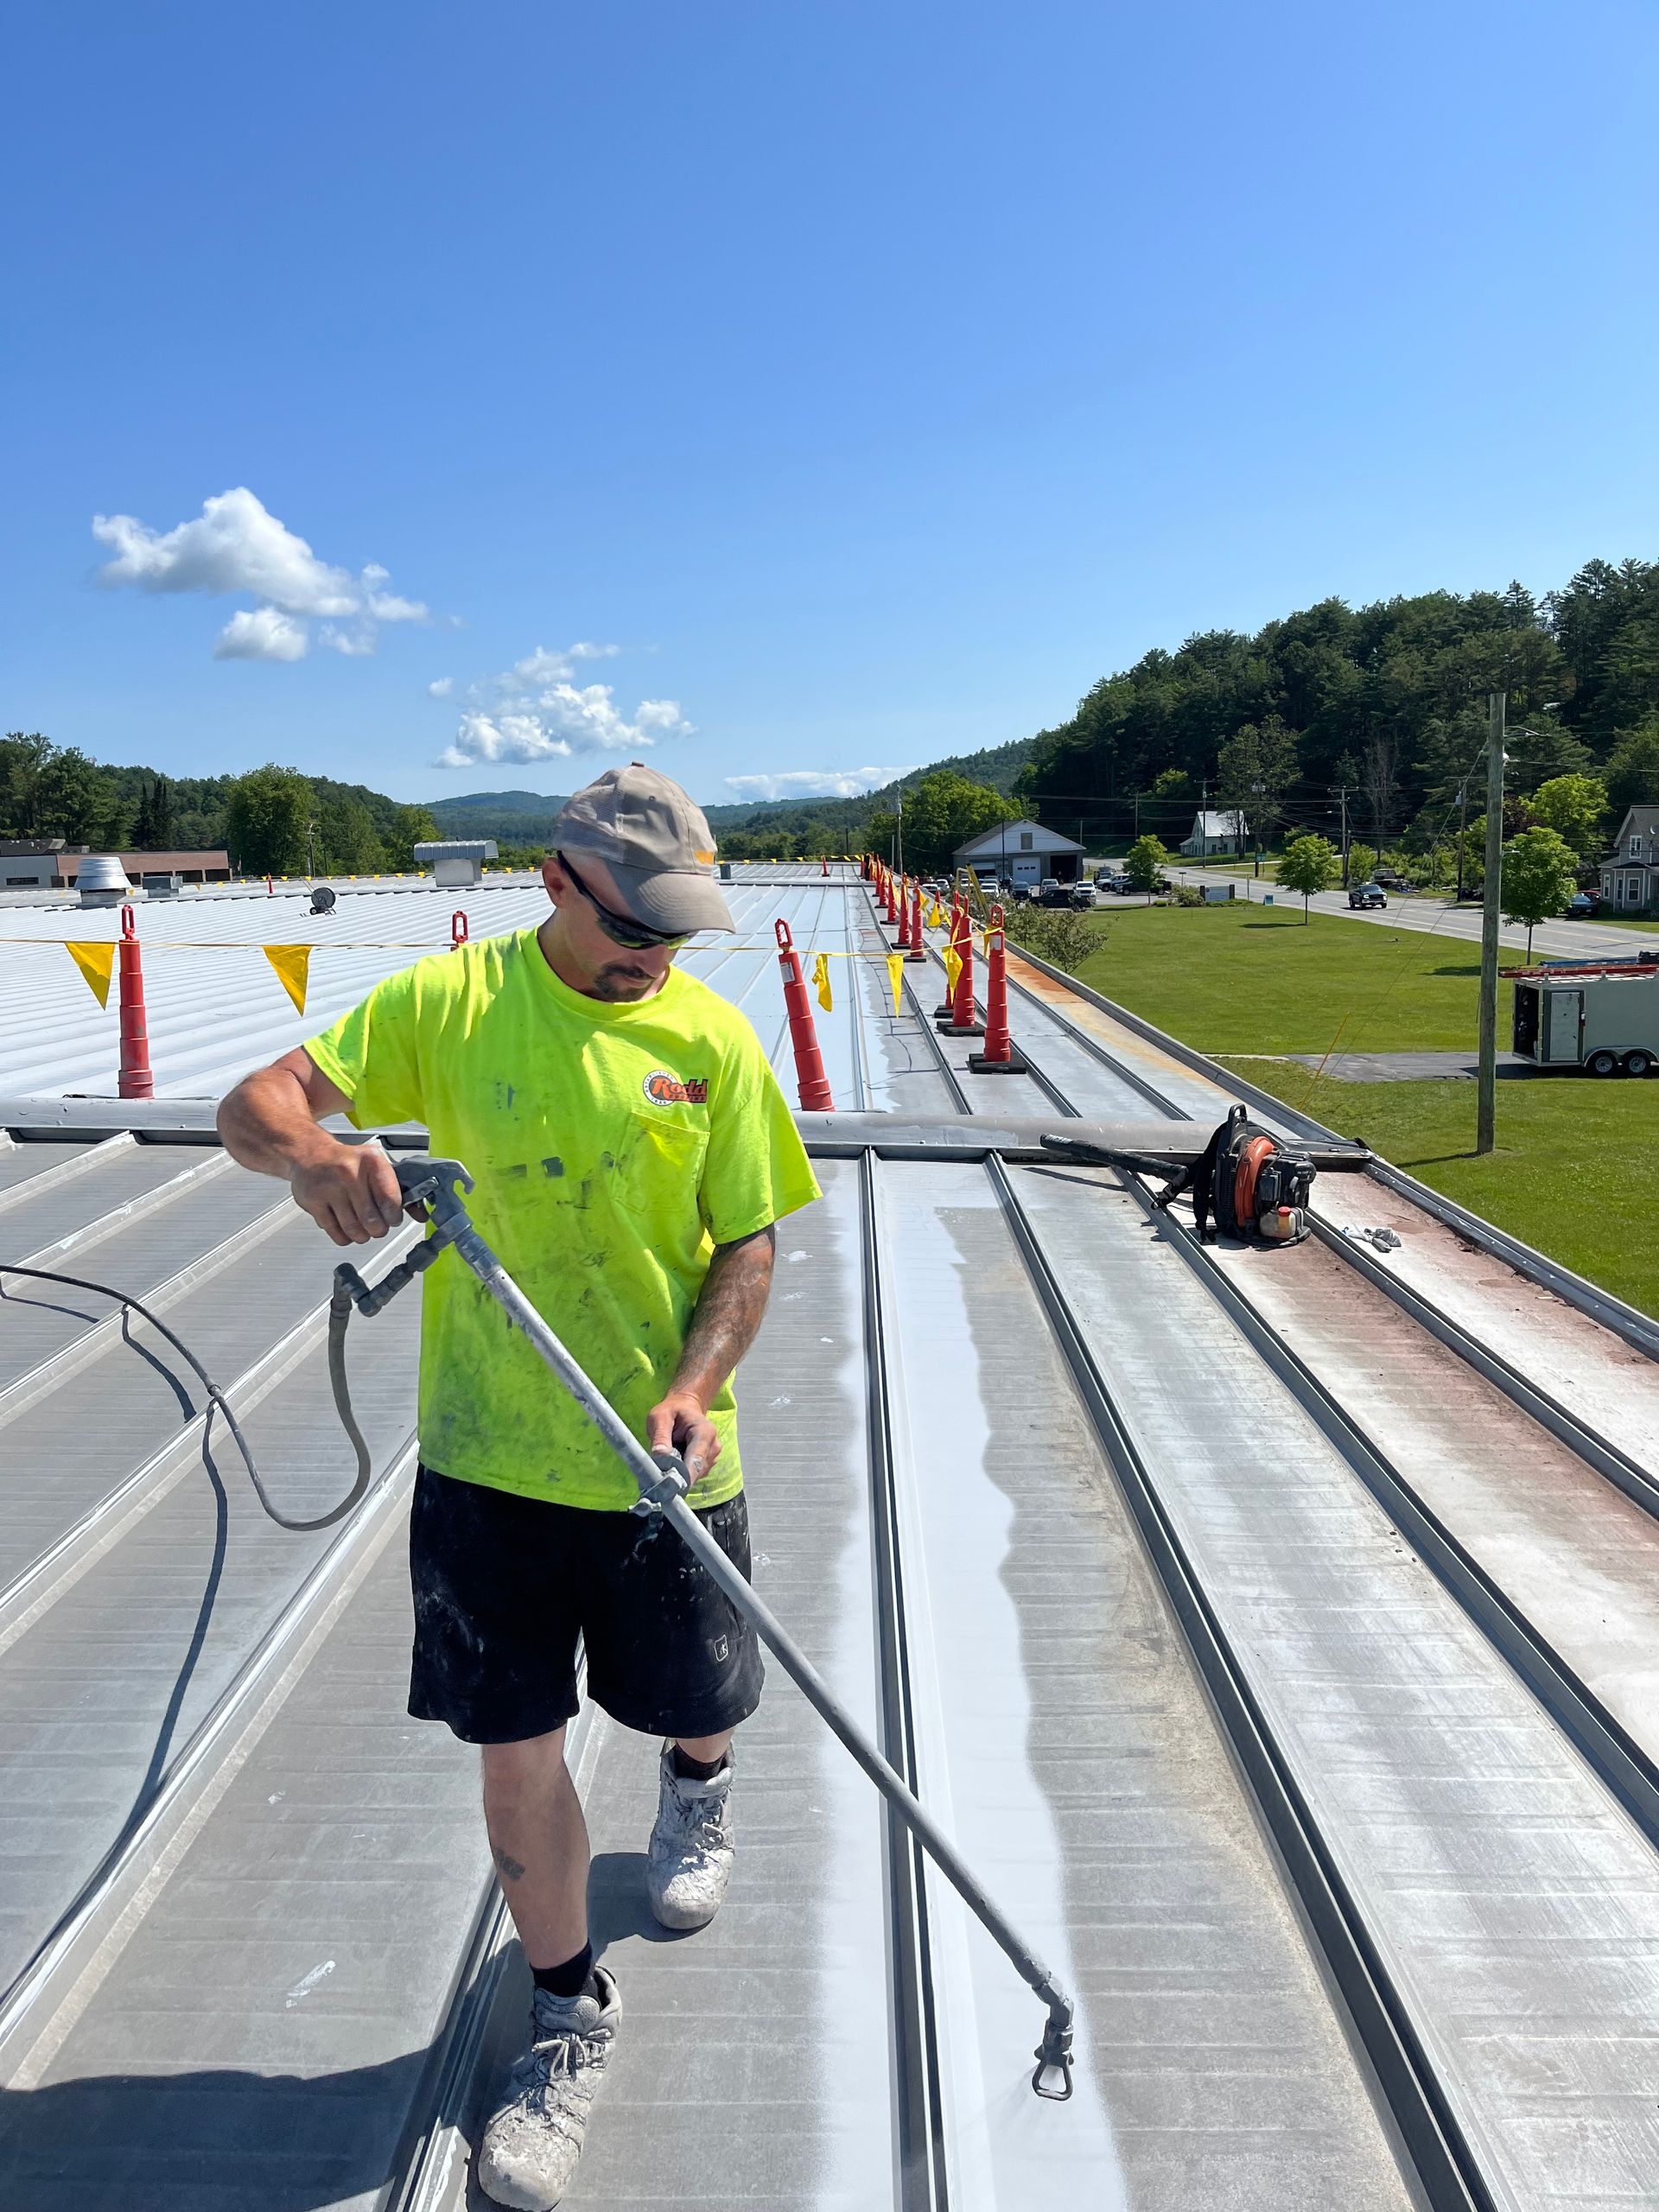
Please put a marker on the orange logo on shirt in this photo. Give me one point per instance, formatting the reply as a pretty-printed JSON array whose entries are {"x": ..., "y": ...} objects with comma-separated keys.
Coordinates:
[{"x": 665, "y": 1089}]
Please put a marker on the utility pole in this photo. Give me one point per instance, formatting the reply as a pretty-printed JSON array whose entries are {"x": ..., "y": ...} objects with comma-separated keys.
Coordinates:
[
  {"x": 1463, "y": 827},
  {"x": 1344, "y": 836},
  {"x": 310, "y": 848},
  {"x": 1486, "y": 1087}
]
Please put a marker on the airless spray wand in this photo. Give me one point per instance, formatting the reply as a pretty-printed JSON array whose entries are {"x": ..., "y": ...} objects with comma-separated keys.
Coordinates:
[{"x": 437, "y": 1184}]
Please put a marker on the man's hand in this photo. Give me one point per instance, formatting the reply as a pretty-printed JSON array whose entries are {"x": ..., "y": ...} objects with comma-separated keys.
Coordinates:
[
  {"x": 269, "y": 1122},
  {"x": 350, "y": 1190},
  {"x": 729, "y": 1311},
  {"x": 682, "y": 1424}
]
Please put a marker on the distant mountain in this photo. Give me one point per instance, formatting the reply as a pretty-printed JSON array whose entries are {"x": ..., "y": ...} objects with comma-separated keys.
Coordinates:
[
  {"x": 514, "y": 817},
  {"x": 498, "y": 803},
  {"x": 526, "y": 817}
]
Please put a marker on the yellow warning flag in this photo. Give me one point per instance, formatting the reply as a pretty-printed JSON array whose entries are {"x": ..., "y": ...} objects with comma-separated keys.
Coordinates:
[
  {"x": 97, "y": 964},
  {"x": 936, "y": 916},
  {"x": 821, "y": 977},
  {"x": 952, "y": 967},
  {"x": 293, "y": 966},
  {"x": 896, "y": 977}
]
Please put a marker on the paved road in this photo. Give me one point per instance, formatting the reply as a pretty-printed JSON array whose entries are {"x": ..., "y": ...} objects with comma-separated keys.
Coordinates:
[{"x": 1442, "y": 918}]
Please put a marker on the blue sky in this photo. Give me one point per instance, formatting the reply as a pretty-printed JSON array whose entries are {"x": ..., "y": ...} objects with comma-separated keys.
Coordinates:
[{"x": 871, "y": 378}]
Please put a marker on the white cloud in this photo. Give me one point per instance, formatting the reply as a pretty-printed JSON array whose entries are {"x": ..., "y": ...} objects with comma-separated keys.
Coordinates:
[
  {"x": 500, "y": 737},
  {"x": 236, "y": 546},
  {"x": 441, "y": 687},
  {"x": 816, "y": 783},
  {"x": 261, "y": 634},
  {"x": 533, "y": 711},
  {"x": 356, "y": 643}
]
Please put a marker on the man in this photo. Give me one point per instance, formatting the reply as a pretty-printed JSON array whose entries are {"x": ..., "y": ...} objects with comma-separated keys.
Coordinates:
[{"x": 632, "y": 1152}]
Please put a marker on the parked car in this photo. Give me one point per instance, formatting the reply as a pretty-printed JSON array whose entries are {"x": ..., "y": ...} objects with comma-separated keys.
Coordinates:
[
  {"x": 1083, "y": 894},
  {"x": 1051, "y": 892},
  {"x": 1367, "y": 894},
  {"x": 1581, "y": 905}
]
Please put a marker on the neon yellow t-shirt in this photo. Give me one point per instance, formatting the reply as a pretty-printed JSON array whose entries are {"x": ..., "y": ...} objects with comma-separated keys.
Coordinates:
[{"x": 614, "y": 1145}]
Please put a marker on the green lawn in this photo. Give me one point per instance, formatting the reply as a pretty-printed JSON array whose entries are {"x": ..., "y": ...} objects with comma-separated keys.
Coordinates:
[
  {"x": 1573, "y": 1171},
  {"x": 1244, "y": 978}
]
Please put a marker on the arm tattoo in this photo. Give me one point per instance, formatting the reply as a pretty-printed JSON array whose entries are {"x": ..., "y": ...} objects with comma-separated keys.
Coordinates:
[
  {"x": 509, "y": 1865},
  {"x": 731, "y": 1306}
]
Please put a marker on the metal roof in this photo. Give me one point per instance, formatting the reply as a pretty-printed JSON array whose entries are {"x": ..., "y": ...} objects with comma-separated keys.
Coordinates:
[{"x": 1273, "y": 1645}]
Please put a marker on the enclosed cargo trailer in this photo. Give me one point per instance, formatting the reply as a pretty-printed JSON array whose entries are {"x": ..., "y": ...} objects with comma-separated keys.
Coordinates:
[{"x": 1598, "y": 1017}]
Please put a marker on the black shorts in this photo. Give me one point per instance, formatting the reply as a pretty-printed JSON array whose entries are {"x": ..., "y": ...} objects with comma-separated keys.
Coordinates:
[{"x": 503, "y": 1586}]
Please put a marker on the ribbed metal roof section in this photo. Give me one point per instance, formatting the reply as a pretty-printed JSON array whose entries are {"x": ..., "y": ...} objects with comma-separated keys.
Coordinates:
[
  {"x": 1203, "y": 1629},
  {"x": 216, "y": 1007}
]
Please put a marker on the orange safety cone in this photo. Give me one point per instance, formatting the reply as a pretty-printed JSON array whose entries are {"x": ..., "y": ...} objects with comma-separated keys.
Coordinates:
[
  {"x": 825, "y": 866},
  {"x": 270, "y": 888},
  {"x": 999, "y": 1057},
  {"x": 918, "y": 942},
  {"x": 964, "y": 1021},
  {"x": 813, "y": 1083},
  {"x": 946, "y": 1009},
  {"x": 134, "y": 1080},
  {"x": 901, "y": 943}
]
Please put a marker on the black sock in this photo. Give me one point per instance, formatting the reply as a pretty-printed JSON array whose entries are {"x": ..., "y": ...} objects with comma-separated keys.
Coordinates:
[
  {"x": 571, "y": 1980},
  {"x": 690, "y": 1770}
]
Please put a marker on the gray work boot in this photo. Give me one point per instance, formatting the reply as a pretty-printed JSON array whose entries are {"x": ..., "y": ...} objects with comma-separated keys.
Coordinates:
[
  {"x": 531, "y": 2148},
  {"x": 691, "y": 1847}
]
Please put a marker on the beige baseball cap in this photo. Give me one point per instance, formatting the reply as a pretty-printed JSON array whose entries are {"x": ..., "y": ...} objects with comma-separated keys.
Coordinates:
[{"x": 655, "y": 841}]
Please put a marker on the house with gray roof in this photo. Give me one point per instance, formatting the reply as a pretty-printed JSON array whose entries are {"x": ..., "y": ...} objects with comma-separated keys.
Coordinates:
[{"x": 1629, "y": 876}]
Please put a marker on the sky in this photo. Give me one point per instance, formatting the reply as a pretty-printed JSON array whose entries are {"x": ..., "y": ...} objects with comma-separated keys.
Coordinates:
[{"x": 455, "y": 399}]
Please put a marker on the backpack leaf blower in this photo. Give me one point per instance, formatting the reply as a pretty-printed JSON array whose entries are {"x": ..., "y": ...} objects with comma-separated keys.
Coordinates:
[{"x": 1250, "y": 1182}]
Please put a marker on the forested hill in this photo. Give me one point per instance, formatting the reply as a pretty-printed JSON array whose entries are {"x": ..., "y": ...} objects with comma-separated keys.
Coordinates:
[
  {"x": 1386, "y": 700},
  {"x": 1385, "y": 704}
]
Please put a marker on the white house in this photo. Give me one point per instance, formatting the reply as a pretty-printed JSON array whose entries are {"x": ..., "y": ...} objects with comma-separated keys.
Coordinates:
[
  {"x": 1019, "y": 852},
  {"x": 1629, "y": 880},
  {"x": 1214, "y": 832}
]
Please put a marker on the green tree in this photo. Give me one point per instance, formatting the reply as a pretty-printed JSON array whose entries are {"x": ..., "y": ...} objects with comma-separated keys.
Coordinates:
[
  {"x": 1257, "y": 766},
  {"x": 944, "y": 810},
  {"x": 22, "y": 757},
  {"x": 410, "y": 826},
  {"x": 1540, "y": 875},
  {"x": 1632, "y": 771},
  {"x": 1307, "y": 865},
  {"x": 73, "y": 799},
  {"x": 266, "y": 820},
  {"x": 1144, "y": 863},
  {"x": 350, "y": 845},
  {"x": 153, "y": 832},
  {"x": 1575, "y": 807},
  {"x": 1362, "y": 862},
  {"x": 878, "y": 836}
]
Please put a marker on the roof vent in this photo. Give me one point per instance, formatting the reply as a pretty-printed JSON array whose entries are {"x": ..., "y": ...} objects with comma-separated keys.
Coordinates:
[{"x": 102, "y": 881}]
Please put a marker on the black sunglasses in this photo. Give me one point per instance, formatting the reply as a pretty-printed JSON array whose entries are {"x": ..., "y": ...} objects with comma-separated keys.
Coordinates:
[{"x": 622, "y": 928}]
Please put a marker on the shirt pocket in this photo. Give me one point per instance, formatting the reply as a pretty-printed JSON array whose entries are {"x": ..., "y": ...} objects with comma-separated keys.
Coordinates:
[{"x": 660, "y": 1177}]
